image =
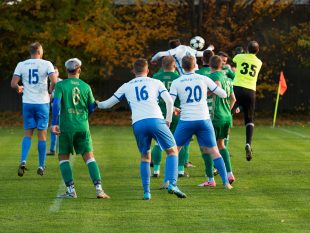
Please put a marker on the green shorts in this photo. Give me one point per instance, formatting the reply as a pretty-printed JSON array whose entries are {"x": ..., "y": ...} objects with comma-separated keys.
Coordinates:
[
  {"x": 221, "y": 130},
  {"x": 79, "y": 141},
  {"x": 174, "y": 123}
]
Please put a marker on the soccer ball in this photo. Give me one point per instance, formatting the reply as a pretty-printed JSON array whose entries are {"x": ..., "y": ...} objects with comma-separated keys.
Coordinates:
[{"x": 197, "y": 42}]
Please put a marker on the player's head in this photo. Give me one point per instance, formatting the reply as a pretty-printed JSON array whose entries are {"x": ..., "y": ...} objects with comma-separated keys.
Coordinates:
[
  {"x": 56, "y": 71},
  {"x": 73, "y": 66},
  {"x": 224, "y": 56},
  {"x": 174, "y": 43},
  {"x": 239, "y": 50},
  {"x": 207, "y": 54},
  {"x": 188, "y": 63},
  {"x": 140, "y": 67},
  {"x": 36, "y": 50},
  {"x": 253, "y": 47},
  {"x": 168, "y": 63},
  {"x": 216, "y": 62}
]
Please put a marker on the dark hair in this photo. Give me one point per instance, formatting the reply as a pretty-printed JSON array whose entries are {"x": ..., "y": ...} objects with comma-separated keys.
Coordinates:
[
  {"x": 139, "y": 65},
  {"x": 167, "y": 62},
  {"x": 215, "y": 62},
  {"x": 174, "y": 43},
  {"x": 34, "y": 48},
  {"x": 188, "y": 62},
  {"x": 239, "y": 50},
  {"x": 207, "y": 54},
  {"x": 223, "y": 54},
  {"x": 253, "y": 47}
]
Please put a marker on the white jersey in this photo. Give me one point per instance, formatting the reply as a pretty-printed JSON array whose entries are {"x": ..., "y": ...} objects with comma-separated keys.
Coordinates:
[
  {"x": 192, "y": 88},
  {"x": 142, "y": 94},
  {"x": 34, "y": 75}
]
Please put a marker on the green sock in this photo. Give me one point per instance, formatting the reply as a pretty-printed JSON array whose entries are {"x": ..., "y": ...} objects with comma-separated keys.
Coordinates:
[
  {"x": 186, "y": 151},
  {"x": 93, "y": 171},
  {"x": 182, "y": 157},
  {"x": 226, "y": 156},
  {"x": 156, "y": 168},
  {"x": 66, "y": 172},
  {"x": 156, "y": 155},
  {"x": 208, "y": 165},
  {"x": 181, "y": 169},
  {"x": 226, "y": 141}
]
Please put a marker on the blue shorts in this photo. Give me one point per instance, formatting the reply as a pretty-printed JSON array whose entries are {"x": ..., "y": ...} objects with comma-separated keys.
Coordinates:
[
  {"x": 36, "y": 116},
  {"x": 145, "y": 130},
  {"x": 203, "y": 130}
]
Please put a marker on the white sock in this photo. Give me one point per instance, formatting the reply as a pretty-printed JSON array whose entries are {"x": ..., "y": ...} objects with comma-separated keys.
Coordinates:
[
  {"x": 98, "y": 187},
  {"x": 210, "y": 179},
  {"x": 71, "y": 189}
]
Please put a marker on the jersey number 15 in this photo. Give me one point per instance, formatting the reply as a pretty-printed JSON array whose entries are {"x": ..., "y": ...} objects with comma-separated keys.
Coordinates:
[{"x": 33, "y": 76}]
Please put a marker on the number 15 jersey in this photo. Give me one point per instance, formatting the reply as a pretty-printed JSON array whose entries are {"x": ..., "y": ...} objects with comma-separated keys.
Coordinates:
[
  {"x": 34, "y": 74},
  {"x": 192, "y": 88},
  {"x": 142, "y": 94},
  {"x": 247, "y": 69}
]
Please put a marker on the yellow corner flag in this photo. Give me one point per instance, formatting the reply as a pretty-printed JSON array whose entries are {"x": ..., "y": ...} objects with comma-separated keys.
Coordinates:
[{"x": 281, "y": 90}]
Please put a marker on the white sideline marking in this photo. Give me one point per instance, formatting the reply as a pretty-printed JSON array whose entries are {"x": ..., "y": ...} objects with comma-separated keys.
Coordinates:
[
  {"x": 55, "y": 207},
  {"x": 295, "y": 133}
]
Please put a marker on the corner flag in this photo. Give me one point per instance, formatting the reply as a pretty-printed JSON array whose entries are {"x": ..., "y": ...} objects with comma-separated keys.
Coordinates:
[{"x": 281, "y": 90}]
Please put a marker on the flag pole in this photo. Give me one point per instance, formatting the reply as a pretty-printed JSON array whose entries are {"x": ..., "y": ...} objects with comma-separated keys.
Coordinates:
[{"x": 276, "y": 108}]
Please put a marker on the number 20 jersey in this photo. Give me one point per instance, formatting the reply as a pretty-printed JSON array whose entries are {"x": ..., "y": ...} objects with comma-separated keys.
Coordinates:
[
  {"x": 192, "y": 89},
  {"x": 142, "y": 94},
  {"x": 34, "y": 75},
  {"x": 247, "y": 69}
]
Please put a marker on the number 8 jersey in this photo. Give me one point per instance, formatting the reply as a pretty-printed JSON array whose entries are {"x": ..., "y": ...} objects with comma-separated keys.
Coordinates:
[
  {"x": 192, "y": 88},
  {"x": 142, "y": 94},
  {"x": 247, "y": 69},
  {"x": 34, "y": 75}
]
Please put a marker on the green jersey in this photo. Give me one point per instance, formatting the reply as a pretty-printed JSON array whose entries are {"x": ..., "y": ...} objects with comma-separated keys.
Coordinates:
[
  {"x": 206, "y": 71},
  {"x": 228, "y": 72},
  {"x": 75, "y": 96},
  {"x": 247, "y": 69},
  {"x": 222, "y": 113},
  {"x": 166, "y": 78}
]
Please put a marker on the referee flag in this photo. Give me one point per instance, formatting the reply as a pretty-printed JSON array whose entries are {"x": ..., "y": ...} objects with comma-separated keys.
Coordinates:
[{"x": 282, "y": 84}]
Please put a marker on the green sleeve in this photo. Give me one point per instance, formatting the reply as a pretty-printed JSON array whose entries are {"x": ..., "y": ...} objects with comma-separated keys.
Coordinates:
[
  {"x": 91, "y": 98},
  {"x": 230, "y": 74},
  {"x": 57, "y": 91}
]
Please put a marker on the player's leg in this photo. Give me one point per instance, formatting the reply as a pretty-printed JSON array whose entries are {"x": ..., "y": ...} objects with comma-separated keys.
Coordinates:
[
  {"x": 182, "y": 160},
  {"x": 207, "y": 142},
  {"x": 53, "y": 140},
  {"x": 41, "y": 117},
  {"x": 249, "y": 121},
  {"x": 29, "y": 125},
  {"x": 226, "y": 156},
  {"x": 209, "y": 165},
  {"x": 65, "y": 149},
  {"x": 156, "y": 158},
  {"x": 166, "y": 140},
  {"x": 143, "y": 137},
  {"x": 82, "y": 143}
]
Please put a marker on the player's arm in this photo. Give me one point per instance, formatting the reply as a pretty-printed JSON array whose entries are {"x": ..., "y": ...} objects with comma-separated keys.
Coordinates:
[
  {"x": 52, "y": 76},
  {"x": 116, "y": 98},
  {"x": 91, "y": 103},
  {"x": 56, "y": 110},
  {"x": 213, "y": 87},
  {"x": 169, "y": 105},
  {"x": 232, "y": 100},
  {"x": 159, "y": 55},
  {"x": 15, "y": 80}
]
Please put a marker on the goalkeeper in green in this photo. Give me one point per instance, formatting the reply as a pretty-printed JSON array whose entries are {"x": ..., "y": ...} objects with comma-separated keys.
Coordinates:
[
  {"x": 167, "y": 76},
  {"x": 72, "y": 104}
]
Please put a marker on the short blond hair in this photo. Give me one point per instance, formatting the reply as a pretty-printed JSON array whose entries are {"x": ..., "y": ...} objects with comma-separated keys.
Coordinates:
[
  {"x": 188, "y": 62},
  {"x": 167, "y": 62}
]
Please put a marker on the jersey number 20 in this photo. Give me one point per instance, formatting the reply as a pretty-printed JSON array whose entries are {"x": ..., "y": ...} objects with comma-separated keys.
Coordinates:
[
  {"x": 142, "y": 94},
  {"x": 196, "y": 94}
]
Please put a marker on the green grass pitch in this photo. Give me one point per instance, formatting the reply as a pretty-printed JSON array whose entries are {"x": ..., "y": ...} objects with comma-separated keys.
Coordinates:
[{"x": 271, "y": 193}]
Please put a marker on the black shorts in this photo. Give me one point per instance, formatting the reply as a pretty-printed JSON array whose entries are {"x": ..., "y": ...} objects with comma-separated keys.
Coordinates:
[{"x": 246, "y": 100}]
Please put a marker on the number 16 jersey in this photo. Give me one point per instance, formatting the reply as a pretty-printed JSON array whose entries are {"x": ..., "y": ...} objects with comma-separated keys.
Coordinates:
[{"x": 142, "y": 94}]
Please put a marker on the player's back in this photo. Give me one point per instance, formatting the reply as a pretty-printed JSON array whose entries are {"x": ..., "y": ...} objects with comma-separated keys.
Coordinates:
[
  {"x": 142, "y": 94},
  {"x": 179, "y": 52},
  {"x": 192, "y": 91},
  {"x": 34, "y": 75},
  {"x": 76, "y": 95}
]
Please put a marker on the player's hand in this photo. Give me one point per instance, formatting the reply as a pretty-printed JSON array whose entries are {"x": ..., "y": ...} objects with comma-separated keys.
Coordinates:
[
  {"x": 20, "y": 89},
  {"x": 55, "y": 129},
  {"x": 154, "y": 63},
  {"x": 97, "y": 102},
  {"x": 177, "y": 111},
  {"x": 237, "y": 110}
]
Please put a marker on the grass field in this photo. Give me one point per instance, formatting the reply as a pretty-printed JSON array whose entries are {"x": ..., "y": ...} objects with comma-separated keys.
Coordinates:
[{"x": 271, "y": 193}]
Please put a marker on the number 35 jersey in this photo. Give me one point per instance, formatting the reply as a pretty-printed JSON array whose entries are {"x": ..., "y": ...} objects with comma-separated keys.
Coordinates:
[
  {"x": 34, "y": 75},
  {"x": 247, "y": 69},
  {"x": 192, "y": 89},
  {"x": 142, "y": 94},
  {"x": 75, "y": 96}
]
